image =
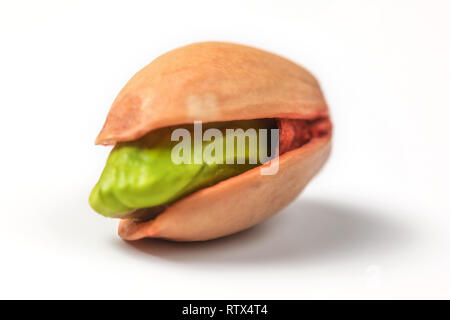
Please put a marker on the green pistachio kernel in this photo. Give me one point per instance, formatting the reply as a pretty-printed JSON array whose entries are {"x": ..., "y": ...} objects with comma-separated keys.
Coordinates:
[{"x": 142, "y": 174}]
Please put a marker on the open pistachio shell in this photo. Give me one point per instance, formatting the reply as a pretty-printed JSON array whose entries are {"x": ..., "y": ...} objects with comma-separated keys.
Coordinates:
[{"x": 213, "y": 82}]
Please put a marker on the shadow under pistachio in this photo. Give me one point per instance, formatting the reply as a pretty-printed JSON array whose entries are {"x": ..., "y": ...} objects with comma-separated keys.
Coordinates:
[{"x": 305, "y": 230}]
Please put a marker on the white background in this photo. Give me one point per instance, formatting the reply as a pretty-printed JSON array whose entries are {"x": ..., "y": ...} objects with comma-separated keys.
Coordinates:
[{"x": 375, "y": 223}]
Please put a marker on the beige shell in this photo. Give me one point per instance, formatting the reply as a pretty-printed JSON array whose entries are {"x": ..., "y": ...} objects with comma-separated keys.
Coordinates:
[
  {"x": 211, "y": 81},
  {"x": 214, "y": 81}
]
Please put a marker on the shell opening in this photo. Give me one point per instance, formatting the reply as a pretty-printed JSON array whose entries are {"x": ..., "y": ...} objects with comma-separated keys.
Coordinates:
[{"x": 293, "y": 134}]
